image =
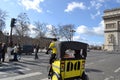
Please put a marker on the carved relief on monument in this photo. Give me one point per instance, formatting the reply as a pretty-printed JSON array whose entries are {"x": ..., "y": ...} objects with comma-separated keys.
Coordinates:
[
  {"x": 111, "y": 38},
  {"x": 110, "y": 26}
]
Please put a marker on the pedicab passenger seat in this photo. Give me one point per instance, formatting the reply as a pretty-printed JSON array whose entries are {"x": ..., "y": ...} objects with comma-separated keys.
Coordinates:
[{"x": 79, "y": 47}]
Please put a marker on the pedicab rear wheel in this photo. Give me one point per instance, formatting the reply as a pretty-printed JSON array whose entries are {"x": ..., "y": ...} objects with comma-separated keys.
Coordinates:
[{"x": 84, "y": 76}]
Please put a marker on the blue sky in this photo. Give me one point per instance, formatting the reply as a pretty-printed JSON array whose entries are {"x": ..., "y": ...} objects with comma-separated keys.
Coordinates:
[{"x": 86, "y": 15}]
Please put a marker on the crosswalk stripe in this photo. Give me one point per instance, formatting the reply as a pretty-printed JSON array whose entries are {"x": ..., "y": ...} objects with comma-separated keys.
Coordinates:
[
  {"x": 22, "y": 76},
  {"x": 21, "y": 68},
  {"x": 117, "y": 70},
  {"x": 45, "y": 79},
  {"x": 2, "y": 73},
  {"x": 27, "y": 59}
]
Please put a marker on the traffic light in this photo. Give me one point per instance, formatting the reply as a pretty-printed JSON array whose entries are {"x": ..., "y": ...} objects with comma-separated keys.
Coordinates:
[{"x": 13, "y": 21}]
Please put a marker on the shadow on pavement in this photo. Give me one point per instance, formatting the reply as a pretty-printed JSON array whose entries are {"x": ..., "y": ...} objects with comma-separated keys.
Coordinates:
[{"x": 92, "y": 70}]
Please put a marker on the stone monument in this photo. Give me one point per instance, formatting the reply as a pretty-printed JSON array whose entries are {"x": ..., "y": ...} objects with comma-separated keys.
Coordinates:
[{"x": 111, "y": 19}]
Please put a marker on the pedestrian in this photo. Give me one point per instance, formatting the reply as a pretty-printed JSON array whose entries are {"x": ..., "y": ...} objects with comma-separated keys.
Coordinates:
[
  {"x": 4, "y": 49},
  {"x": 8, "y": 54},
  {"x": 15, "y": 52},
  {"x": 53, "y": 54},
  {"x": 36, "y": 51},
  {"x": 0, "y": 52},
  {"x": 19, "y": 51}
]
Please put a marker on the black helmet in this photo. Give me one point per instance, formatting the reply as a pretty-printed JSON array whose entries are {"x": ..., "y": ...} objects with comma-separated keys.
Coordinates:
[{"x": 54, "y": 39}]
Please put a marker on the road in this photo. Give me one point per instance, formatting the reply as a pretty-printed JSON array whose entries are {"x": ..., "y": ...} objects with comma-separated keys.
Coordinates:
[
  {"x": 26, "y": 69},
  {"x": 103, "y": 65},
  {"x": 99, "y": 66}
]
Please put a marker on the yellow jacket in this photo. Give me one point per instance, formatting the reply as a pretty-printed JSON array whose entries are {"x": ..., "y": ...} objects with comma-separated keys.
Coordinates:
[{"x": 53, "y": 47}]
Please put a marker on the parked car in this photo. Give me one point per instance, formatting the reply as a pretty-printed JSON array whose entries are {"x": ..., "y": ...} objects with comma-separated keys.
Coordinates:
[{"x": 27, "y": 49}]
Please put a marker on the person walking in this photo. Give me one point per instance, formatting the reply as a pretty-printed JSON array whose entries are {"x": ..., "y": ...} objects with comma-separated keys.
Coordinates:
[
  {"x": 4, "y": 49},
  {"x": 15, "y": 52},
  {"x": 19, "y": 51},
  {"x": 8, "y": 53},
  {"x": 36, "y": 51},
  {"x": 0, "y": 52}
]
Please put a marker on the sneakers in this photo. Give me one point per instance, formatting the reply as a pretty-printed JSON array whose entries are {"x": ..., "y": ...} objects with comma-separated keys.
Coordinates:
[{"x": 49, "y": 75}]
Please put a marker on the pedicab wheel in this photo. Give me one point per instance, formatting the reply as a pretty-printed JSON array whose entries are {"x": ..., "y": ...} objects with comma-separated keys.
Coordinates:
[
  {"x": 84, "y": 76},
  {"x": 55, "y": 77}
]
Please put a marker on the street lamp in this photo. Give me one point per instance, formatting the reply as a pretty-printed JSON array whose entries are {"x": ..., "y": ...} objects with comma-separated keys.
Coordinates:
[{"x": 72, "y": 32}]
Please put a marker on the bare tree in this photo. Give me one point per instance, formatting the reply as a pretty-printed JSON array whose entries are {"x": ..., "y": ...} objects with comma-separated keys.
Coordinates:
[
  {"x": 66, "y": 31},
  {"x": 3, "y": 15},
  {"x": 22, "y": 25},
  {"x": 40, "y": 29},
  {"x": 54, "y": 32}
]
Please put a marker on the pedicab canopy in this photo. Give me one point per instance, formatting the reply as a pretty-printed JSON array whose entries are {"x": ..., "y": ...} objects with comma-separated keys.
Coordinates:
[{"x": 76, "y": 49}]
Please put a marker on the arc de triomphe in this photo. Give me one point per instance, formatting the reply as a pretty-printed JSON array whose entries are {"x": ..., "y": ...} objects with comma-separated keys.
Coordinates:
[{"x": 112, "y": 29}]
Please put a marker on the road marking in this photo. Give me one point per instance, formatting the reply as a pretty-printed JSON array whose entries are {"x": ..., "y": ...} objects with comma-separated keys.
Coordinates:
[
  {"x": 2, "y": 73},
  {"x": 26, "y": 69},
  {"x": 95, "y": 62},
  {"x": 45, "y": 79},
  {"x": 23, "y": 68},
  {"x": 89, "y": 64},
  {"x": 117, "y": 70},
  {"x": 28, "y": 59},
  {"x": 111, "y": 77},
  {"x": 101, "y": 60},
  {"x": 22, "y": 76},
  {"x": 5, "y": 63}
]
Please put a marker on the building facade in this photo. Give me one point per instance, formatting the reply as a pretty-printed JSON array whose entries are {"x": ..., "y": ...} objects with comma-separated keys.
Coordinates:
[{"x": 112, "y": 29}]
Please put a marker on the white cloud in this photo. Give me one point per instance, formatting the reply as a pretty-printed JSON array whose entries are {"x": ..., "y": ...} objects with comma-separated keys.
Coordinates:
[
  {"x": 95, "y": 43},
  {"x": 76, "y": 38},
  {"x": 93, "y": 16},
  {"x": 82, "y": 29},
  {"x": 84, "y": 33},
  {"x": 118, "y": 1},
  {"x": 50, "y": 27},
  {"x": 73, "y": 5},
  {"x": 101, "y": 0},
  {"x": 99, "y": 30},
  {"x": 6, "y": 0},
  {"x": 31, "y": 4},
  {"x": 79, "y": 38},
  {"x": 96, "y": 4},
  {"x": 48, "y": 33},
  {"x": 48, "y": 11},
  {"x": 32, "y": 32}
]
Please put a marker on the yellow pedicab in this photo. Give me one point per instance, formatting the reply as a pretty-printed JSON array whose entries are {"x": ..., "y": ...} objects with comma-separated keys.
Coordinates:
[{"x": 70, "y": 61}]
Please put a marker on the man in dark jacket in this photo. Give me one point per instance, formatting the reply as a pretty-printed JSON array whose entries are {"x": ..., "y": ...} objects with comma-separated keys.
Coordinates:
[
  {"x": 36, "y": 51},
  {"x": 0, "y": 51}
]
